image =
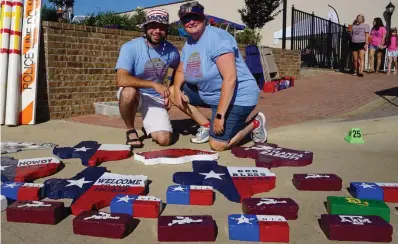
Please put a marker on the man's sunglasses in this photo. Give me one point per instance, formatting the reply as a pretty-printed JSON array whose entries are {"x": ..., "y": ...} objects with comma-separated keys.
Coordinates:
[{"x": 194, "y": 17}]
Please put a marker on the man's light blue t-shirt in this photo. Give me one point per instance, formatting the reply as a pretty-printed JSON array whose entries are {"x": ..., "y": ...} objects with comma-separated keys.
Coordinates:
[
  {"x": 200, "y": 68},
  {"x": 147, "y": 63}
]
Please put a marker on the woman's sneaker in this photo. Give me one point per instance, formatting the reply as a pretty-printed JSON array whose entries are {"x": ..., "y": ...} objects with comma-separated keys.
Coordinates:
[
  {"x": 202, "y": 136},
  {"x": 259, "y": 134}
]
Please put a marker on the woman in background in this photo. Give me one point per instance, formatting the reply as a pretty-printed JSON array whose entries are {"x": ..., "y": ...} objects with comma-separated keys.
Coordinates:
[
  {"x": 376, "y": 44},
  {"x": 359, "y": 43}
]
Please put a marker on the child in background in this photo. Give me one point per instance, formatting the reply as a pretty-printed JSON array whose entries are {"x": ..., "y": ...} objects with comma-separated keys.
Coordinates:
[{"x": 392, "y": 50}]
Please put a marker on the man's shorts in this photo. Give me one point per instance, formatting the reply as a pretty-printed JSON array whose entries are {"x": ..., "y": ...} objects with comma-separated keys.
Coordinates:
[
  {"x": 154, "y": 114},
  {"x": 235, "y": 117}
]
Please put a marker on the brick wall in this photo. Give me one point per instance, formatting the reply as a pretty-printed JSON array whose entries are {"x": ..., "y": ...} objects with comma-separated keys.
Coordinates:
[
  {"x": 76, "y": 68},
  {"x": 288, "y": 61}
]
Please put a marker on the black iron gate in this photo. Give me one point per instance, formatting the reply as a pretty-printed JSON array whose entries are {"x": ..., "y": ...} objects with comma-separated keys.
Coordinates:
[{"x": 323, "y": 43}]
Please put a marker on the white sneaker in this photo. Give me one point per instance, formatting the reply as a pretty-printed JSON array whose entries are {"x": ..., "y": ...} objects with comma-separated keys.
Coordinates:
[
  {"x": 259, "y": 135},
  {"x": 202, "y": 136}
]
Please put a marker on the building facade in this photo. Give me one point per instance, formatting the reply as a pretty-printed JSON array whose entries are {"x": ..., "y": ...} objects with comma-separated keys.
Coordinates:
[{"x": 340, "y": 11}]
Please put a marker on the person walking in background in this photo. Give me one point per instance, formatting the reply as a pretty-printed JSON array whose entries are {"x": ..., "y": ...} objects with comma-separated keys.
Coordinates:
[
  {"x": 213, "y": 74},
  {"x": 392, "y": 50},
  {"x": 359, "y": 43},
  {"x": 376, "y": 44}
]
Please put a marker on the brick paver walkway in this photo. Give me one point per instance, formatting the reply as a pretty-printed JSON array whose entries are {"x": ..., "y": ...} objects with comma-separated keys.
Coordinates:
[{"x": 314, "y": 97}]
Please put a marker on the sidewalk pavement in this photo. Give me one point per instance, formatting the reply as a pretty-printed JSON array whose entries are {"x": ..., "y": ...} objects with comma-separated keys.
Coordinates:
[
  {"x": 376, "y": 160},
  {"x": 313, "y": 97}
]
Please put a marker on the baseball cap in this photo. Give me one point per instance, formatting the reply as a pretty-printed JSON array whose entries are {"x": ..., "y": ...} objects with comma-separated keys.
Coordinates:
[
  {"x": 156, "y": 15},
  {"x": 191, "y": 8}
]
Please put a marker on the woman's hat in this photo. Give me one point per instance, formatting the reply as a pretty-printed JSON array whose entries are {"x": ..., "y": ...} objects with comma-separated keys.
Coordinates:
[
  {"x": 156, "y": 15},
  {"x": 191, "y": 8}
]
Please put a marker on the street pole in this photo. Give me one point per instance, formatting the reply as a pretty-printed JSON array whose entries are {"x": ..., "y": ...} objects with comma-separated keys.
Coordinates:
[{"x": 284, "y": 24}]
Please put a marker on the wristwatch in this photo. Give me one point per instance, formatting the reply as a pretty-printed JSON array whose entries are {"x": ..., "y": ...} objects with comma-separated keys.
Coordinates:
[{"x": 219, "y": 116}]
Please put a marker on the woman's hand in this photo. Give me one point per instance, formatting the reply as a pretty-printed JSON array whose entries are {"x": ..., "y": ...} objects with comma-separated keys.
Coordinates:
[
  {"x": 180, "y": 98},
  {"x": 218, "y": 126}
]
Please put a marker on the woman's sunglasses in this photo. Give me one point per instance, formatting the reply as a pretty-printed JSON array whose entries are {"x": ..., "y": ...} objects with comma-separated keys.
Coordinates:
[{"x": 189, "y": 17}]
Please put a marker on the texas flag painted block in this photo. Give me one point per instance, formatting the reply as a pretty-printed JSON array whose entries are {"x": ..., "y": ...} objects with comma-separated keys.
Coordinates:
[
  {"x": 24, "y": 170},
  {"x": 357, "y": 228},
  {"x": 272, "y": 156},
  {"x": 317, "y": 182},
  {"x": 136, "y": 206},
  {"x": 174, "y": 156},
  {"x": 109, "y": 185},
  {"x": 92, "y": 153},
  {"x": 190, "y": 195},
  {"x": 260, "y": 228},
  {"x": 285, "y": 207},
  {"x": 102, "y": 224},
  {"x": 366, "y": 190},
  {"x": 390, "y": 191},
  {"x": 235, "y": 183},
  {"x": 22, "y": 191},
  {"x": 73, "y": 187},
  {"x": 200, "y": 228},
  {"x": 38, "y": 212}
]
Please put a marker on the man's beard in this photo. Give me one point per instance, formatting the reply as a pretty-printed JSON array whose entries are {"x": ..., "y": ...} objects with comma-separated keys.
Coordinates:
[{"x": 157, "y": 41}]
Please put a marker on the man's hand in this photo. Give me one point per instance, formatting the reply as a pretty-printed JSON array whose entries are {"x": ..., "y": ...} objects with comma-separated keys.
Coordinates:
[
  {"x": 180, "y": 99},
  {"x": 218, "y": 126},
  {"x": 162, "y": 90}
]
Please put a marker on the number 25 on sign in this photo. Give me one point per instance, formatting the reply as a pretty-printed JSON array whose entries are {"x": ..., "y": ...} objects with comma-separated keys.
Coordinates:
[{"x": 354, "y": 136}]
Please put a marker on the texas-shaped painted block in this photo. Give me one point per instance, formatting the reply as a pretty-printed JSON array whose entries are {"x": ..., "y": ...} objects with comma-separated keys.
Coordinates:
[
  {"x": 390, "y": 191},
  {"x": 38, "y": 212},
  {"x": 285, "y": 207},
  {"x": 136, "y": 205},
  {"x": 260, "y": 228},
  {"x": 272, "y": 156},
  {"x": 190, "y": 195},
  {"x": 73, "y": 187},
  {"x": 235, "y": 183},
  {"x": 26, "y": 170},
  {"x": 101, "y": 193},
  {"x": 186, "y": 228},
  {"x": 355, "y": 206},
  {"x": 317, "y": 182},
  {"x": 174, "y": 156},
  {"x": 93, "y": 153},
  {"x": 22, "y": 191},
  {"x": 356, "y": 228},
  {"x": 102, "y": 224}
]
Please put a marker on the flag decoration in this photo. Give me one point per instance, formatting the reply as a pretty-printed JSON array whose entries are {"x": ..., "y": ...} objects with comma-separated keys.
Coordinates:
[
  {"x": 136, "y": 205},
  {"x": 317, "y": 182},
  {"x": 285, "y": 207},
  {"x": 235, "y": 183},
  {"x": 387, "y": 192},
  {"x": 272, "y": 156},
  {"x": 12, "y": 146},
  {"x": 39, "y": 212},
  {"x": 22, "y": 191},
  {"x": 101, "y": 193},
  {"x": 174, "y": 156},
  {"x": 23, "y": 170},
  {"x": 260, "y": 228},
  {"x": 355, "y": 206},
  {"x": 190, "y": 195},
  {"x": 356, "y": 228},
  {"x": 102, "y": 224},
  {"x": 92, "y": 153},
  {"x": 186, "y": 228},
  {"x": 74, "y": 187}
]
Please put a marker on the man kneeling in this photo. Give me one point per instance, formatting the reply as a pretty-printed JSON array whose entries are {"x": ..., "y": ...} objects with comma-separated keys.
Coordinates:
[{"x": 141, "y": 69}]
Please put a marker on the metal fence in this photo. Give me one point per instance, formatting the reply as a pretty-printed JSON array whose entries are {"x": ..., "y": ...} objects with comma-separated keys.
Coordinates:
[{"x": 323, "y": 43}]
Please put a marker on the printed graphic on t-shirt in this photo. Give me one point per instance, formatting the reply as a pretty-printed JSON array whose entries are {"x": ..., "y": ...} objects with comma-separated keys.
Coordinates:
[
  {"x": 376, "y": 34},
  {"x": 155, "y": 68},
  {"x": 359, "y": 31},
  {"x": 193, "y": 66}
]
